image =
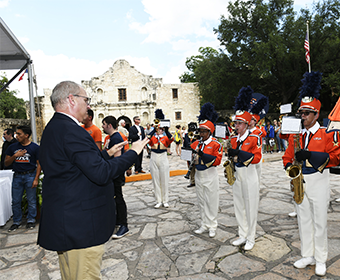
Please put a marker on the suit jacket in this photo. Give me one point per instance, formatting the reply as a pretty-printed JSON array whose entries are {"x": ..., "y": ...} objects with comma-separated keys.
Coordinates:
[
  {"x": 78, "y": 209},
  {"x": 133, "y": 133}
]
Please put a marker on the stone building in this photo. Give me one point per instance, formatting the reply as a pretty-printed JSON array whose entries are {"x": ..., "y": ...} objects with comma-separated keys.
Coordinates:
[{"x": 124, "y": 92}]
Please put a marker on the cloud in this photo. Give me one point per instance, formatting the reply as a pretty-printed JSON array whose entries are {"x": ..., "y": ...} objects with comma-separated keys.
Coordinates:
[
  {"x": 172, "y": 76},
  {"x": 177, "y": 19},
  {"x": 4, "y": 3},
  {"x": 50, "y": 70}
]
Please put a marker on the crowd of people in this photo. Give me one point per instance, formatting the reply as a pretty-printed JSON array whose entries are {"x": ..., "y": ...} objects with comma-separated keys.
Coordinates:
[{"x": 83, "y": 202}]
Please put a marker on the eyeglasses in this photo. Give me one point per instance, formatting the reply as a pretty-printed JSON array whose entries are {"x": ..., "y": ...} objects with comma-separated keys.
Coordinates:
[{"x": 87, "y": 99}]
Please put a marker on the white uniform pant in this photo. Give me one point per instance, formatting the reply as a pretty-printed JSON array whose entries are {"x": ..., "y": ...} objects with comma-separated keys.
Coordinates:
[
  {"x": 246, "y": 201},
  {"x": 258, "y": 167},
  {"x": 312, "y": 216},
  {"x": 207, "y": 190},
  {"x": 159, "y": 168}
]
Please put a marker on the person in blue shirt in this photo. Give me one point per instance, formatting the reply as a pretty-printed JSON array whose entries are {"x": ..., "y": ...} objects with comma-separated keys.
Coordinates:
[
  {"x": 24, "y": 155},
  {"x": 270, "y": 137}
]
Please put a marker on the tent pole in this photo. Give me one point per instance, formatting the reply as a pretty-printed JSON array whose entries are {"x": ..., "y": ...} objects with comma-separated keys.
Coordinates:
[{"x": 32, "y": 102}]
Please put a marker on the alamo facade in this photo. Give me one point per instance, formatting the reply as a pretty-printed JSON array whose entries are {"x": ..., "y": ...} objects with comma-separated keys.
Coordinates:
[{"x": 124, "y": 92}]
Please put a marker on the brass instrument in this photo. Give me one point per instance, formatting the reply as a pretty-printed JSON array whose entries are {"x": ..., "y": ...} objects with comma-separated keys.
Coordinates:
[
  {"x": 156, "y": 121},
  {"x": 192, "y": 135},
  {"x": 193, "y": 159},
  {"x": 295, "y": 173},
  {"x": 229, "y": 166}
]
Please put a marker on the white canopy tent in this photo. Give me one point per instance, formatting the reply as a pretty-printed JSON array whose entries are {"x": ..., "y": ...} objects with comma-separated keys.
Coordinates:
[{"x": 13, "y": 56}]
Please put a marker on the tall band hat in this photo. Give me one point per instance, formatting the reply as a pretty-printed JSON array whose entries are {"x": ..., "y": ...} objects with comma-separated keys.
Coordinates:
[
  {"x": 259, "y": 106},
  {"x": 242, "y": 105},
  {"x": 310, "y": 92},
  {"x": 158, "y": 117},
  {"x": 159, "y": 114},
  {"x": 208, "y": 116}
]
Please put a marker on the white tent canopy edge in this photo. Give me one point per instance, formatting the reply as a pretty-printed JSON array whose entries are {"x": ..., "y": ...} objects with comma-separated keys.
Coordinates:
[{"x": 14, "y": 56}]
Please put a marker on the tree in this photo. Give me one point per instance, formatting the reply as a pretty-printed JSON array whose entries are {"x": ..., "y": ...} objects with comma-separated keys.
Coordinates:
[
  {"x": 10, "y": 105},
  {"x": 263, "y": 47}
]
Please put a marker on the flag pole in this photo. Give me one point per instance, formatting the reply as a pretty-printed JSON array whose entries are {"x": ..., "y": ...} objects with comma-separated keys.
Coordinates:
[{"x": 309, "y": 64}]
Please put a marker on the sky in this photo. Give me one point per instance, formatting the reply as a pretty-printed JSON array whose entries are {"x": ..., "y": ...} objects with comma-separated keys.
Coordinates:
[{"x": 80, "y": 39}]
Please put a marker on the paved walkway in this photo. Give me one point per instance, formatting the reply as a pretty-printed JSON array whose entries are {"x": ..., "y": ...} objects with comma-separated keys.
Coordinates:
[{"x": 162, "y": 245}]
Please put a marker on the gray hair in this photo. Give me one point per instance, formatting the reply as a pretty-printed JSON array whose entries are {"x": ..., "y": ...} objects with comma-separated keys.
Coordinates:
[
  {"x": 121, "y": 121},
  {"x": 62, "y": 90}
]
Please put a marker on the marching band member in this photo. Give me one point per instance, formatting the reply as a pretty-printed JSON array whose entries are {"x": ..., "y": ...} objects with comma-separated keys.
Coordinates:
[
  {"x": 247, "y": 148},
  {"x": 319, "y": 151},
  {"x": 258, "y": 110},
  {"x": 159, "y": 164},
  {"x": 189, "y": 138},
  {"x": 209, "y": 155}
]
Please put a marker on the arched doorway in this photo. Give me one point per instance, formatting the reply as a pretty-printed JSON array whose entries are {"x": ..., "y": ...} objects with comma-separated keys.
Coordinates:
[{"x": 128, "y": 122}]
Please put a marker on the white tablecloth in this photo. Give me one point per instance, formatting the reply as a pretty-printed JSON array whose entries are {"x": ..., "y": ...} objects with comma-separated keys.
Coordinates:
[{"x": 5, "y": 200}]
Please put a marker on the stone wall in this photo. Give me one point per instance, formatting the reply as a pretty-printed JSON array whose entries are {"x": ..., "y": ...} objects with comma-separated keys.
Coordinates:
[{"x": 144, "y": 94}]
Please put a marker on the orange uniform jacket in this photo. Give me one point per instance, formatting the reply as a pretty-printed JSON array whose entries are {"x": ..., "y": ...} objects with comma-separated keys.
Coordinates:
[
  {"x": 212, "y": 154},
  {"x": 263, "y": 129},
  {"x": 324, "y": 148},
  {"x": 163, "y": 141},
  {"x": 258, "y": 131},
  {"x": 250, "y": 150}
]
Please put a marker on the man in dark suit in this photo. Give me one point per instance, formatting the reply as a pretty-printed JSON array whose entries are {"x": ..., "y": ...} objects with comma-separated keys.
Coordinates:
[
  {"x": 78, "y": 210},
  {"x": 136, "y": 132}
]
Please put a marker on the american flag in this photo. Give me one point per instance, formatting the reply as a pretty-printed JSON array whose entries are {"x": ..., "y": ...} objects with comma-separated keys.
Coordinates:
[
  {"x": 306, "y": 46},
  {"x": 22, "y": 76}
]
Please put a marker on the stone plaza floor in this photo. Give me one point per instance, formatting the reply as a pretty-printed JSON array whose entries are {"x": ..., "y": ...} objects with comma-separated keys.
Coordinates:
[{"x": 162, "y": 245}]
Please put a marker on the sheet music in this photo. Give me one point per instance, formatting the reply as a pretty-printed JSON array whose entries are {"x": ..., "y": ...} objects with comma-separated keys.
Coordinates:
[
  {"x": 220, "y": 130},
  {"x": 186, "y": 154},
  {"x": 164, "y": 123},
  {"x": 290, "y": 125},
  {"x": 286, "y": 108}
]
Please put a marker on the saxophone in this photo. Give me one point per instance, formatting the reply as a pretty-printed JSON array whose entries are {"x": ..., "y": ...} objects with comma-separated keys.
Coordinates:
[
  {"x": 295, "y": 173},
  {"x": 229, "y": 166}
]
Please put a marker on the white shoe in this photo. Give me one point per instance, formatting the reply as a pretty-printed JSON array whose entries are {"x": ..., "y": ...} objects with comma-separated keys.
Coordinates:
[
  {"x": 239, "y": 241},
  {"x": 158, "y": 205},
  {"x": 166, "y": 205},
  {"x": 200, "y": 230},
  {"x": 337, "y": 200},
  {"x": 249, "y": 245},
  {"x": 320, "y": 269},
  {"x": 212, "y": 233},
  {"x": 302, "y": 263},
  {"x": 292, "y": 214}
]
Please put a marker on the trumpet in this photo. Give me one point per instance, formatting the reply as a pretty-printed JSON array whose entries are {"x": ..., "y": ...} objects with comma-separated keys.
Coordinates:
[
  {"x": 192, "y": 135},
  {"x": 156, "y": 121}
]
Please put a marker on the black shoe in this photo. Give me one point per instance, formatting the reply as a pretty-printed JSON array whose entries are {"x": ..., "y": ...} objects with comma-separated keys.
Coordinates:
[
  {"x": 191, "y": 185},
  {"x": 30, "y": 225},
  {"x": 123, "y": 230},
  {"x": 14, "y": 227}
]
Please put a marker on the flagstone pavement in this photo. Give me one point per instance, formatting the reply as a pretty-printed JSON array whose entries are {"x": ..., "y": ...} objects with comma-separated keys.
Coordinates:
[{"x": 162, "y": 245}]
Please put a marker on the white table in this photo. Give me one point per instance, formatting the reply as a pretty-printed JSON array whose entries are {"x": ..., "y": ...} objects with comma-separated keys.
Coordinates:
[{"x": 5, "y": 200}]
